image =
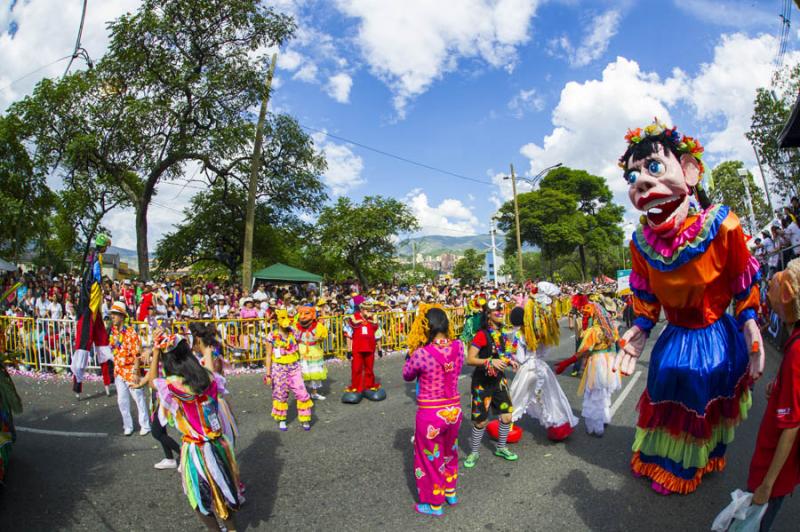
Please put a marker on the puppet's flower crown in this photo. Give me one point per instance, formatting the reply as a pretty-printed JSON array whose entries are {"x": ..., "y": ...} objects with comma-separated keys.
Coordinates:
[{"x": 683, "y": 143}]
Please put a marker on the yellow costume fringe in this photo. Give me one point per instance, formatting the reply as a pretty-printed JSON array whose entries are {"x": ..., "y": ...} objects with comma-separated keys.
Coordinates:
[{"x": 418, "y": 335}]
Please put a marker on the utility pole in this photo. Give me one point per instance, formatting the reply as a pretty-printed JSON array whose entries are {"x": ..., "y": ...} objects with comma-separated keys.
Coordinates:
[
  {"x": 249, "y": 223},
  {"x": 521, "y": 275},
  {"x": 744, "y": 174},
  {"x": 764, "y": 180},
  {"x": 494, "y": 256}
]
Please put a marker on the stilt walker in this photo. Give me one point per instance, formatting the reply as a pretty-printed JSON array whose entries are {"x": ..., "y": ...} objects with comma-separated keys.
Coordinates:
[{"x": 90, "y": 330}]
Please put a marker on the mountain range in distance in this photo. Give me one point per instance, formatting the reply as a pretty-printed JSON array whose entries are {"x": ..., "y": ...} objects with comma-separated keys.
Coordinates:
[{"x": 437, "y": 244}]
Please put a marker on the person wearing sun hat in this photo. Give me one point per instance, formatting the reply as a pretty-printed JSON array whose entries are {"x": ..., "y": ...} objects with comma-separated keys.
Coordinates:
[
  {"x": 126, "y": 345},
  {"x": 90, "y": 330},
  {"x": 692, "y": 262}
]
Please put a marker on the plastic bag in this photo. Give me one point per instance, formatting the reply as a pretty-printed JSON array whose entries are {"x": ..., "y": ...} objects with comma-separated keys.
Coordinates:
[{"x": 739, "y": 515}]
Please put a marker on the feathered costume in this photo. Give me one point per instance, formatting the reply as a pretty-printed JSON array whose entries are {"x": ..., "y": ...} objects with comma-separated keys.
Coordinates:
[{"x": 535, "y": 390}]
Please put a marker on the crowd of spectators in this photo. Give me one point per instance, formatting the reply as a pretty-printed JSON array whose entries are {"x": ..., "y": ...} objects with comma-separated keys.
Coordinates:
[{"x": 44, "y": 294}]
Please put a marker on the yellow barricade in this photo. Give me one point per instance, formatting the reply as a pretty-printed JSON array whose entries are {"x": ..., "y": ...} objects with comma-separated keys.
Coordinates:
[{"x": 41, "y": 343}]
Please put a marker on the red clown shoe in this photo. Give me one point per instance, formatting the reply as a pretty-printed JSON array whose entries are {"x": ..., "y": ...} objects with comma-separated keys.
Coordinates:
[{"x": 514, "y": 434}]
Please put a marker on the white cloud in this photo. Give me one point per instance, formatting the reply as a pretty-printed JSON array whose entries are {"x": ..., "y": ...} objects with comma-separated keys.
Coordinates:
[
  {"x": 451, "y": 217},
  {"x": 525, "y": 101},
  {"x": 339, "y": 87},
  {"x": 46, "y": 30},
  {"x": 732, "y": 13},
  {"x": 594, "y": 44},
  {"x": 165, "y": 212},
  {"x": 307, "y": 73},
  {"x": 723, "y": 91},
  {"x": 411, "y": 44},
  {"x": 290, "y": 60},
  {"x": 344, "y": 166},
  {"x": 591, "y": 117}
]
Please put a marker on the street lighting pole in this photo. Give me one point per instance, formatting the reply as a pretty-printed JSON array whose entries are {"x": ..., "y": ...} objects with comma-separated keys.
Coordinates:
[
  {"x": 521, "y": 275},
  {"x": 744, "y": 174}
]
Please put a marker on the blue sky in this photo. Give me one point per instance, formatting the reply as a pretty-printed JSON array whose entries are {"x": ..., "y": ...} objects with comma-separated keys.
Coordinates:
[{"x": 470, "y": 86}]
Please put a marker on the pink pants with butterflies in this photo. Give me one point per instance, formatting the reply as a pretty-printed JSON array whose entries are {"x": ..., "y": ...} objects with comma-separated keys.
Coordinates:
[{"x": 436, "y": 449}]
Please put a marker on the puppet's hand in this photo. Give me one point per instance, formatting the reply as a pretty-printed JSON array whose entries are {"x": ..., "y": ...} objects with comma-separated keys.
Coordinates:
[
  {"x": 755, "y": 348},
  {"x": 631, "y": 347}
]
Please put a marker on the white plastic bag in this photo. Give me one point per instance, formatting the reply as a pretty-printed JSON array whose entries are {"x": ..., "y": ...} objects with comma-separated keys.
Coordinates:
[{"x": 739, "y": 515}]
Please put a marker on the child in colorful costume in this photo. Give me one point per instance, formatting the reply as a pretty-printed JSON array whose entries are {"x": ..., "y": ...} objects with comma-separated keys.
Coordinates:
[
  {"x": 364, "y": 336},
  {"x": 535, "y": 390},
  {"x": 473, "y": 321},
  {"x": 284, "y": 373},
  {"x": 692, "y": 264},
  {"x": 90, "y": 330},
  {"x": 311, "y": 333},
  {"x": 190, "y": 392},
  {"x": 435, "y": 362},
  {"x": 600, "y": 380}
]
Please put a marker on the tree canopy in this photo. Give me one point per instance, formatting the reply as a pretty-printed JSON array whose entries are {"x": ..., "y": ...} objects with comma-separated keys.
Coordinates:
[
  {"x": 773, "y": 106},
  {"x": 359, "y": 239},
  {"x": 729, "y": 190},
  {"x": 469, "y": 268},
  {"x": 175, "y": 86},
  {"x": 570, "y": 210}
]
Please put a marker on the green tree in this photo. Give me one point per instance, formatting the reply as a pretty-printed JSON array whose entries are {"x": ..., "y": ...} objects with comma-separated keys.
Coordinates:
[
  {"x": 469, "y": 268},
  {"x": 360, "y": 238},
  {"x": 570, "y": 209},
  {"x": 729, "y": 190},
  {"x": 175, "y": 87},
  {"x": 212, "y": 232},
  {"x": 409, "y": 275},
  {"x": 26, "y": 200},
  {"x": 773, "y": 106}
]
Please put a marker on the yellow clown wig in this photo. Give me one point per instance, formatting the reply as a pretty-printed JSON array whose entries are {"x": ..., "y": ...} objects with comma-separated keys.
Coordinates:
[{"x": 418, "y": 335}]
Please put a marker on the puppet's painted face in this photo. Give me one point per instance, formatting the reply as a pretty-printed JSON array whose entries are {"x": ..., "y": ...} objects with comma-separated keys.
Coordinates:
[
  {"x": 306, "y": 315},
  {"x": 284, "y": 321},
  {"x": 659, "y": 187},
  {"x": 782, "y": 296}
]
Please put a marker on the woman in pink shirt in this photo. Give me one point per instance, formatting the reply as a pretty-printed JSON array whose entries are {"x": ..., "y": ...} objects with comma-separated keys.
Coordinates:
[
  {"x": 435, "y": 362},
  {"x": 249, "y": 310}
]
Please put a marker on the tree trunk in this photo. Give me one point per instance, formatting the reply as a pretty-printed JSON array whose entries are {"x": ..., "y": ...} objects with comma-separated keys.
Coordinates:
[
  {"x": 141, "y": 239},
  {"x": 582, "y": 253},
  {"x": 361, "y": 278}
]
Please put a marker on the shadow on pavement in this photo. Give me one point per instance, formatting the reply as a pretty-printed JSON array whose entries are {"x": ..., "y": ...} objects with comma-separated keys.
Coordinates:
[
  {"x": 33, "y": 498},
  {"x": 261, "y": 469},
  {"x": 402, "y": 443}
]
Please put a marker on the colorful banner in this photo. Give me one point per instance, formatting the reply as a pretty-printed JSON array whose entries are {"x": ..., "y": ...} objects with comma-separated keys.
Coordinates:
[{"x": 623, "y": 282}]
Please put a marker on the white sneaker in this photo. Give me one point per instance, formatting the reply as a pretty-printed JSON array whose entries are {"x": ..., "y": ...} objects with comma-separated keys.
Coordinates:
[
  {"x": 144, "y": 432},
  {"x": 108, "y": 392},
  {"x": 128, "y": 432},
  {"x": 317, "y": 397},
  {"x": 166, "y": 463}
]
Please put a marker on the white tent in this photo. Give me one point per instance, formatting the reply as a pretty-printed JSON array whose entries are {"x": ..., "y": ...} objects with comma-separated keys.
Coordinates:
[{"x": 6, "y": 266}]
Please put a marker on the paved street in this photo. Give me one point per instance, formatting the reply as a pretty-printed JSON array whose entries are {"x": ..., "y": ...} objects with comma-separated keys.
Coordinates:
[{"x": 352, "y": 471}]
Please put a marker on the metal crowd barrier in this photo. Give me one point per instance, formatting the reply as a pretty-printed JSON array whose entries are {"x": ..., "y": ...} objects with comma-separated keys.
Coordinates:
[{"x": 46, "y": 344}]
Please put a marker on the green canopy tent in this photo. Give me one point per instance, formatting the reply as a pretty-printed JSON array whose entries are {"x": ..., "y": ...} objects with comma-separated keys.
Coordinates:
[{"x": 283, "y": 273}]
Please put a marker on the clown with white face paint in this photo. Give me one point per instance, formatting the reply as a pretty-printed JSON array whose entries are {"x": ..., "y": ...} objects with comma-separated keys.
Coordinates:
[{"x": 690, "y": 263}]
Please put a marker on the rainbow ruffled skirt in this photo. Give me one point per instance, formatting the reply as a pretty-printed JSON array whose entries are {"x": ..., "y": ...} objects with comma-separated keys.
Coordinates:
[{"x": 698, "y": 391}]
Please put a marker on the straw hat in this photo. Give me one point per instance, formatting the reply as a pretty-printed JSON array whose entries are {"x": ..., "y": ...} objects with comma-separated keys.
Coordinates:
[{"x": 119, "y": 308}]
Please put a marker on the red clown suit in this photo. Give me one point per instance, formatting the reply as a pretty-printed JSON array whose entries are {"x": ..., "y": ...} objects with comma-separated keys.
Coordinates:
[{"x": 364, "y": 334}]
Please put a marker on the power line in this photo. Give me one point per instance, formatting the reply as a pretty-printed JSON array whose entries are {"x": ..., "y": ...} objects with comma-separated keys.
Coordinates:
[
  {"x": 31, "y": 73},
  {"x": 398, "y": 157}
]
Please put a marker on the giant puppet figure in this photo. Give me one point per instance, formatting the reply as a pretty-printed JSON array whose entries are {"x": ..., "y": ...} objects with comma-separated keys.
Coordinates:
[
  {"x": 690, "y": 262},
  {"x": 90, "y": 330}
]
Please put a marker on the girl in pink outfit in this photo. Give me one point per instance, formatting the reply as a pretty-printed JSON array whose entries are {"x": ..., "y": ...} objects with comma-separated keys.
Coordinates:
[{"x": 436, "y": 365}]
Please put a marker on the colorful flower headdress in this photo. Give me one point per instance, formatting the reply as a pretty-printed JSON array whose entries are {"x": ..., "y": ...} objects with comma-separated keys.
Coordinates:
[
  {"x": 683, "y": 143},
  {"x": 166, "y": 342}
]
